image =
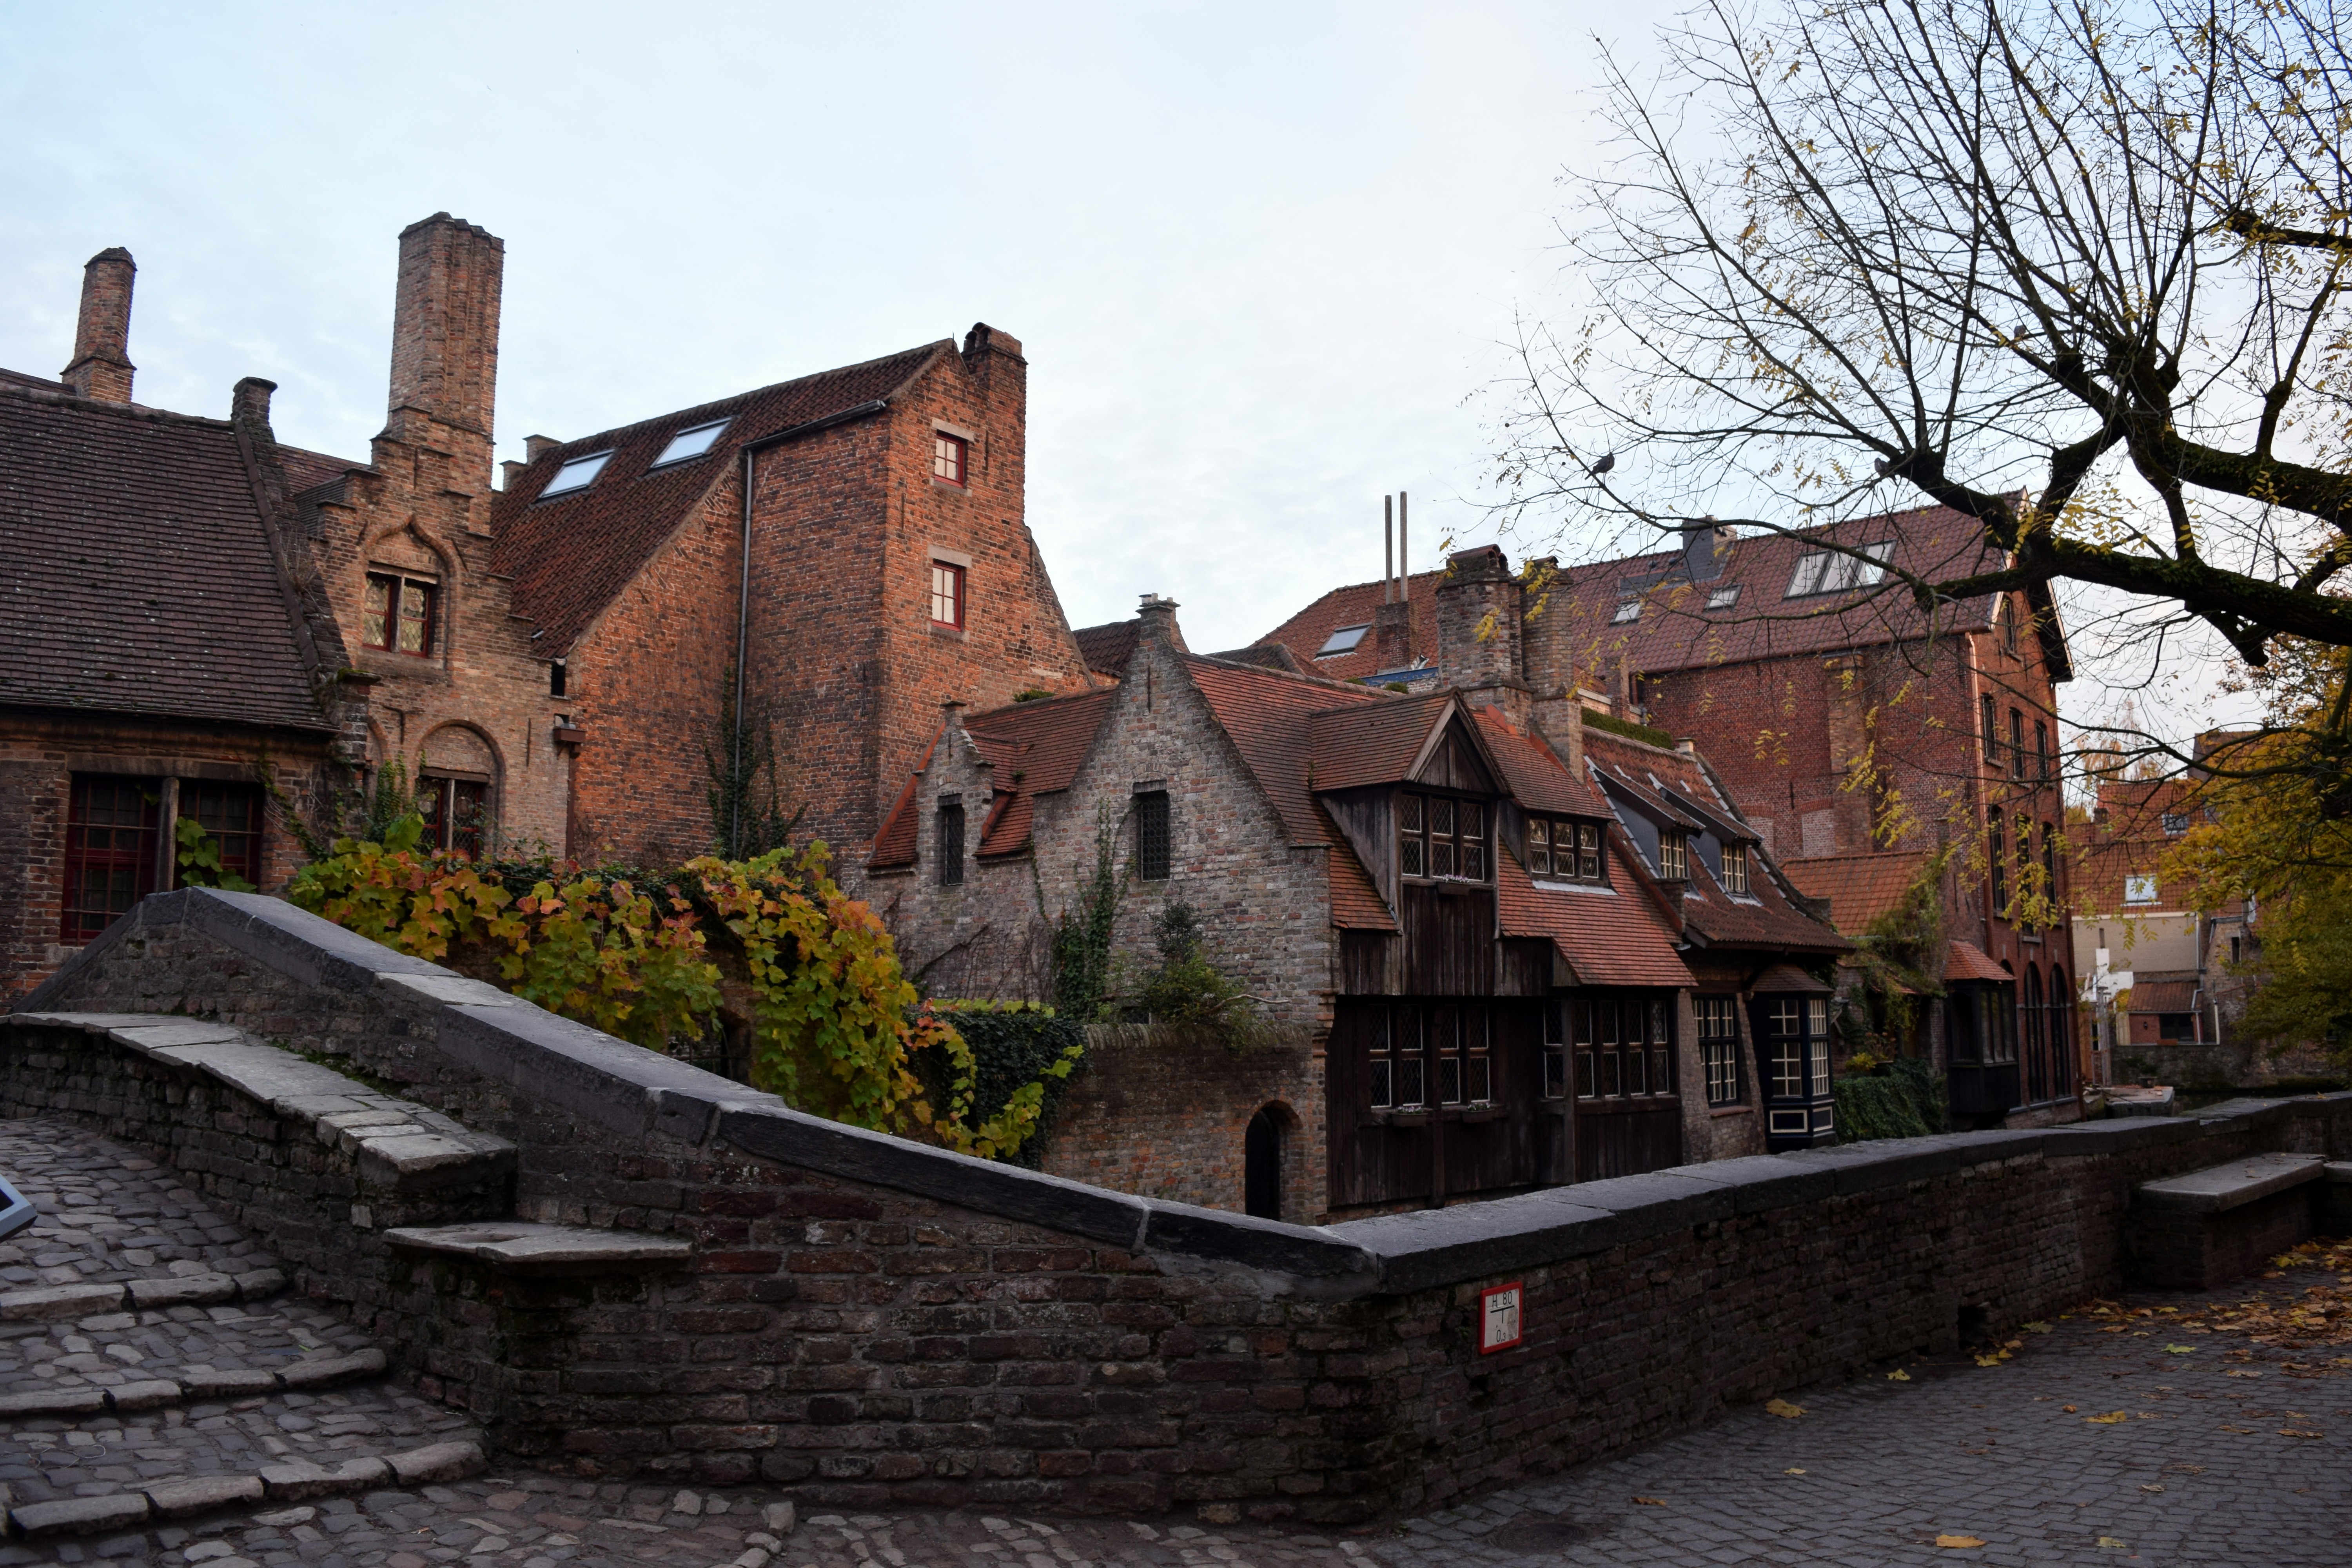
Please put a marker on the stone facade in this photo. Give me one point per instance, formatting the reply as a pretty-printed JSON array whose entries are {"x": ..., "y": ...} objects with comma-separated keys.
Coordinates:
[{"x": 869, "y": 1323}]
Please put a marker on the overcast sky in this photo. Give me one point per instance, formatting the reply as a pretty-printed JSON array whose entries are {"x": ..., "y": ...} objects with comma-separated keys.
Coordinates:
[{"x": 1259, "y": 255}]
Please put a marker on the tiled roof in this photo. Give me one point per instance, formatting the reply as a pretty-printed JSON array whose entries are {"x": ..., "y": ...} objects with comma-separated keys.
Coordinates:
[
  {"x": 1765, "y": 917},
  {"x": 138, "y": 574},
  {"x": 2163, "y": 997},
  {"x": 1967, "y": 960},
  {"x": 1033, "y": 748},
  {"x": 1534, "y": 774},
  {"x": 570, "y": 555},
  {"x": 1266, "y": 656},
  {"x": 1356, "y": 901},
  {"x": 1372, "y": 742},
  {"x": 894, "y": 843},
  {"x": 1353, "y": 605},
  {"x": 31, "y": 383},
  {"x": 1860, "y": 888},
  {"x": 1270, "y": 719},
  {"x": 1787, "y": 977},
  {"x": 1612, "y": 938},
  {"x": 1106, "y": 648}
]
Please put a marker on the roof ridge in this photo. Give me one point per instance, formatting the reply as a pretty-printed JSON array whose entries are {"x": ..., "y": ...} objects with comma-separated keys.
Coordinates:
[
  {"x": 1307, "y": 677},
  {"x": 615, "y": 432},
  {"x": 122, "y": 410}
]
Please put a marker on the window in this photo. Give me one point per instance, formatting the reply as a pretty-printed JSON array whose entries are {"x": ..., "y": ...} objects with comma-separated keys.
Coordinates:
[
  {"x": 2049, "y": 861},
  {"x": 1555, "y": 1051},
  {"x": 1623, "y": 1048},
  {"x": 688, "y": 444},
  {"x": 2237, "y": 949},
  {"x": 951, "y": 840},
  {"x": 110, "y": 850},
  {"x": 1344, "y": 640},
  {"x": 948, "y": 455},
  {"x": 1719, "y": 1048},
  {"x": 555, "y": 674},
  {"x": 1723, "y": 598},
  {"x": 1627, "y": 610},
  {"x": 2139, "y": 890},
  {"x": 1735, "y": 868},
  {"x": 1424, "y": 1054},
  {"x": 946, "y": 594},
  {"x": 1673, "y": 855},
  {"x": 1563, "y": 851},
  {"x": 397, "y": 614},
  {"x": 230, "y": 816},
  {"x": 2008, "y": 615},
  {"x": 576, "y": 475},
  {"x": 1398, "y": 1079},
  {"x": 1797, "y": 1046},
  {"x": 457, "y": 813},
  {"x": 2025, "y": 878},
  {"x": 1835, "y": 572},
  {"x": 1998, "y": 861},
  {"x": 1438, "y": 836},
  {"x": 2016, "y": 744},
  {"x": 1459, "y": 1038},
  {"x": 1151, "y": 836},
  {"x": 2174, "y": 823},
  {"x": 2041, "y": 750},
  {"x": 1991, "y": 731}
]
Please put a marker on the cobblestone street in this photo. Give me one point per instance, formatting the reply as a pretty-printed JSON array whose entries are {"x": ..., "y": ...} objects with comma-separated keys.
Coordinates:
[{"x": 2133, "y": 1436}]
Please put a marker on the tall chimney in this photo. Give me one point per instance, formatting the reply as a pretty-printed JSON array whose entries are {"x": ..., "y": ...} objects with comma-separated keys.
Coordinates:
[
  {"x": 444, "y": 343},
  {"x": 1388, "y": 549},
  {"x": 101, "y": 362},
  {"x": 1478, "y": 585}
]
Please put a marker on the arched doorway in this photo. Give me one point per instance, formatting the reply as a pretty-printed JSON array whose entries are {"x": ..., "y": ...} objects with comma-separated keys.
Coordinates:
[{"x": 1262, "y": 1165}]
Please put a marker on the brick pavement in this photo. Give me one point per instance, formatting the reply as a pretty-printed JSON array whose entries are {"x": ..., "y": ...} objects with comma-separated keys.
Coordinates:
[{"x": 2226, "y": 1452}]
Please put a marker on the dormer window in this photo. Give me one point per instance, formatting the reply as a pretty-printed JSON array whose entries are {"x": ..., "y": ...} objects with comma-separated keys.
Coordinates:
[
  {"x": 1673, "y": 855},
  {"x": 1735, "y": 868},
  {"x": 1836, "y": 571},
  {"x": 949, "y": 454},
  {"x": 689, "y": 444},
  {"x": 397, "y": 614},
  {"x": 1563, "y": 851},
  {"x": 1442, "y": 837},
  {"x": 1344, "y": 640},
  {"x": 576, "y": 475}
]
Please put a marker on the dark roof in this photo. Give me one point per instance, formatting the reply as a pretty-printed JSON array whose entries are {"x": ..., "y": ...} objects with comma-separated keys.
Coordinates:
[
  {"x": 1266, "y": 656},
  {"x": 139, "y": 574},
  {"x": 570, "y": 555},
  {"x": 1106, "y": 648},
  {"x": 32, "y": 382},
  {"x": 1353, "y": 605}
]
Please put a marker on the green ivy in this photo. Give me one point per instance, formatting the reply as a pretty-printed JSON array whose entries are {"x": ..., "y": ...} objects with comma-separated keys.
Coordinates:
[
  {"x": 1022, "y": 1055},
  {"x": 1630, "y": 730},
  {"x": 1907, "y": 1101},
  {"x": 199, "y": 860}
]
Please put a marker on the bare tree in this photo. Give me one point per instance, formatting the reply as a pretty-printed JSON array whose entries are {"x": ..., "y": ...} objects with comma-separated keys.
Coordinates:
[{"x": 2077, "y": 271}]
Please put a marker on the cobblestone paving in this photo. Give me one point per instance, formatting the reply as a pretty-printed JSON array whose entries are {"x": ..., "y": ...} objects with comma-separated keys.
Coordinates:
[{"x": 2214, "y": 1454}]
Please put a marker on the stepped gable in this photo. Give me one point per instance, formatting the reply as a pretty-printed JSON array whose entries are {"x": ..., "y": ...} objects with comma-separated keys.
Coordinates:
[
  {"x": 570, "y": 555},
  {"x": 1676, "y": 786},
  {"x": 1860, "y": 888},
  {"x": 140, "y": 577},
  {"x": 1677, "y": 631},
  {"x": 1033, "y": 748},
  {"x": 1354, "y": 606}
]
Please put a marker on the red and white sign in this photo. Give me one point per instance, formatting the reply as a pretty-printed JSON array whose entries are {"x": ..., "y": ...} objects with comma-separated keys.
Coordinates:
[{"x": 1498, "y": 1318}]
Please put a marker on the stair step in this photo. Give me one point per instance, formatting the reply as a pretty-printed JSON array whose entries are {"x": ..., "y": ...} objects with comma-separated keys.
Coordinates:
[
  {"x": 158, "y": 1392},
  {"x": 295, "y": 1481}
]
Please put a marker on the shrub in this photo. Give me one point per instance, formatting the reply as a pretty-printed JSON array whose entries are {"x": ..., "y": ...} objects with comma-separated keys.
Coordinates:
[
  {"x": 1022, "y": 1055},
  {"x": 1907, "y": 1101}
]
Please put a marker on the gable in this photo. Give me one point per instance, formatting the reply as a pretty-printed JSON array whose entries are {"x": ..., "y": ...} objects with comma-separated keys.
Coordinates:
[{"x": 1453, "y": 762}]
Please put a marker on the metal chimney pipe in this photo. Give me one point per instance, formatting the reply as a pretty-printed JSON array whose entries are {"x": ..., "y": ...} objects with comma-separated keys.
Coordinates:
[
  {"x": 1404, "y": 558},
  {"x": 1388, "y": 549}
]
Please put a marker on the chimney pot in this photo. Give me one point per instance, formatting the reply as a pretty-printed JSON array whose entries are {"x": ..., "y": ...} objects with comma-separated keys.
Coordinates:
[
  {"x": 101, "y": 367},
  {"x": 1158, "y": 618}
]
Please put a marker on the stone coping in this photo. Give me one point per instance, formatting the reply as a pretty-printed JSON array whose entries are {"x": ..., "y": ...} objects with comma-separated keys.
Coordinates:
[
  {"x": 637, "y": 1092},
  {"x": 523, "y": 1247},
  {"x": 399, "y": 1144},
  {"x": 2220, "y": 1188}
]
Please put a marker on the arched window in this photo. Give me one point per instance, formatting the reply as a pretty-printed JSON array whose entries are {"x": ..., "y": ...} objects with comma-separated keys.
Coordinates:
[
  {"x": 2036, "y": 1059},
  {"x": 1262, "y": 1165}
]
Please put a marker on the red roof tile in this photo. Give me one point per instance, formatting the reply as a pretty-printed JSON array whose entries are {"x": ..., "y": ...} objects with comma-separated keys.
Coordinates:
[
  {"x": 1860, "y": 888},
  {"x": 570, "y": 555},
  {"x": 1353, "y": 605},
  {"x": 1106, "y": 648},
  {"x": 1533, "y": 771},
  {"x": 1372, "y": 742},
  {"x": 1966, "y": 960},
  {"x": 1270, "y": 719},
  {"x": 894, "y": 845},
  {"x": 2163, "y": 997},
  {"x": 1612, "y": 938},
  {"x": 1356, "y": 901}
]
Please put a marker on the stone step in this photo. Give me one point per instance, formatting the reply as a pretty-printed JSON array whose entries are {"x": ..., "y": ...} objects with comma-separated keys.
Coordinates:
[
  {"x": 154, "y": 1394},
  {"x": 52, "y": 1301},
  {"x": 295, "y": 1480}
]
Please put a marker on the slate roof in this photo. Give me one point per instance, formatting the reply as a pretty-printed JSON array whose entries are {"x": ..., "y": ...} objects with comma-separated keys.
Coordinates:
[
  {"x": 1614, "y": 936},
  {"x": 136, "y": 574},
  {"x": 1106, "y": 648},
  {"x": 570, "y": 555},
  {"x": 1767, "y": 916},
  {"x": 1353, "y": 605},
  {"x": 1860, "y": 888}
]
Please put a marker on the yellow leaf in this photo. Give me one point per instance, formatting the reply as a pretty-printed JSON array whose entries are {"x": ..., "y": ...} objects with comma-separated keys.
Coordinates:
[
  {"x": 1651, "y": 1501},
  {"x": 1792, "y": 1470},
  {"x": 2037, "y": 1328},
  {"x": 1783, "y": 1409},
  {"x": 2067, "y": 1408},
  {"x": 2112, "y": 1545},
  {"x": 1960, "y": 1541},
  {"x": 1899, "y": 1375},
  {"x": 2293, "y": 1431},
  {"x": 2180, "y": 1350},
  {"x": 2109, "y": 1419}
]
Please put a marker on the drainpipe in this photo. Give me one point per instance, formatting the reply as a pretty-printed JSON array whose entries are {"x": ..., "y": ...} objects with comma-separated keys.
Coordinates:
[{"x": 742, "y": 650}]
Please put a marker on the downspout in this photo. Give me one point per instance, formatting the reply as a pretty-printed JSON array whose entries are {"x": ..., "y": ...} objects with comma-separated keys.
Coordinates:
[{"x": 743, "y": 651}]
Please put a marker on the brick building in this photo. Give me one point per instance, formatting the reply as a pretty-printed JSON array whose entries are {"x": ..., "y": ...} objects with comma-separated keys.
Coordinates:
[
  {"x": 1858, "y": 737},
  {"x": 548, "y": 658},
  {"x": 1454, "y": 905},
  {"x": 167, "y": 642}
]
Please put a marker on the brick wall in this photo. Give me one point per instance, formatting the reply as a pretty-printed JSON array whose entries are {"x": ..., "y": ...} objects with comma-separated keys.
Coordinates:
[{"x": 870, "y": 1323}]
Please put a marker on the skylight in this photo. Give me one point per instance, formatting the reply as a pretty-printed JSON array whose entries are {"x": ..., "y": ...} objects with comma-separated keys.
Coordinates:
[
  {"x": 1629, "y": 610},
  {"x": 1830, "y": 572},
  {"x": 1724, "y": 598},
  {"x": 1344, "y": 640},
  {"x": 690, "y": 443},
  {"x": 576, "y": 475}
]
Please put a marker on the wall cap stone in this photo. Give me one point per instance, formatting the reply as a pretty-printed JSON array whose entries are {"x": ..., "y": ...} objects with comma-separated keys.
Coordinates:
[{"x": 2220, "y": 1188}]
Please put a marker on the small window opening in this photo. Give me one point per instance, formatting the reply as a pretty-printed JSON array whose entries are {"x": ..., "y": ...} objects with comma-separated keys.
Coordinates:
[
  {"x": 1151, "y": 836},
  {"x": 687, "y": 443},
  {"x": 1627, "y": 610},
  {"x": 1723, "y": 598},
  {"x": 1719, "y": 1046},
  {"x": 948, "y": 456},
  {"x": 397, "y": 614},
  {"x": 1563, "y": 851},
  {"x": 1991, "y": 729},
  {"x": 946, "y": 594},
  {"x": 1673, "y": 856},
  {"x": 109, "y": 851},
  {"x": 576, "y": 475},
  {"x": 457, "y": 813},
  {"x": 1735, "y": 868},
  {"x": 555, "y": 678},
  {"x": 950, "y": 841},
  {"x": 1344, "y": 640}
]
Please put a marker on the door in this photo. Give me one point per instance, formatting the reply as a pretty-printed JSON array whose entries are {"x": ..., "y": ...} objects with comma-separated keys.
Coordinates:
[
  {"x": 1262, "y": 1167},
  {"x": 1629, "y": 1108}
]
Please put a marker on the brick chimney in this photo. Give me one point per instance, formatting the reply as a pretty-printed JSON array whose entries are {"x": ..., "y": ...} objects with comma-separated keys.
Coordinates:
[
  {"x": 1159, "y": 627},
  {"x": 1392, "y": 637},
  {"x": 1478, "y": 585},
  {"x": 102, "y": 363},
  {"x": 445, "y": 346}
]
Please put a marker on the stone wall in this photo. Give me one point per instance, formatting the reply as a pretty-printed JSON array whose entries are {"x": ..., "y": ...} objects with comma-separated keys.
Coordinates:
[{"x": 871, "y": 1322}]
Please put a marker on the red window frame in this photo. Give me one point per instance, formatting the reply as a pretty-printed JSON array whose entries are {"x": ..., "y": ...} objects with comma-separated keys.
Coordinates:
[
  {"x": 950, "y": 458},
  {"x": 948, "y": 585},
  {"x": 110, "y": 826},
  {"x": 405, "y": 602}
]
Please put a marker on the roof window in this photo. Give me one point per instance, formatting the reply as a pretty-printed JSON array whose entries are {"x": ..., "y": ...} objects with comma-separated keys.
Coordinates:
[
  {"x": 1627, "y": 610},
  {"x": 576, "y": 475},
  {"x": 688, "y": 444},
  {"x": 1833, "y": 571},
  {"x": 1723, "y": 598},
  {"x": 1344, "y": 640}
]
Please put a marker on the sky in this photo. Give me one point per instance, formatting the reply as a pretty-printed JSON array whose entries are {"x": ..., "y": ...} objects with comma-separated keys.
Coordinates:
[{"x": 1261, "y": 258}]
